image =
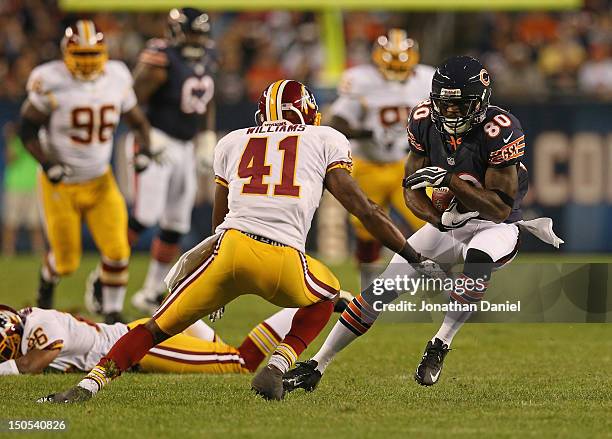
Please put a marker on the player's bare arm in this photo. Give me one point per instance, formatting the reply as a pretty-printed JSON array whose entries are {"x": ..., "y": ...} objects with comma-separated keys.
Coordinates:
[
  {"x": 342, "y": 125},
  {"x": 376, "y": 221},
  {"x": 220, "y": 208},
  {"x": 36, "y": 360},
  {"x": 494, "y": 201},
  {"x": 147, "y": 79},
  {"x": 31, "y": 121},
  {"x": 417, "y": 199},
  {"x": 138, "y": 122}
]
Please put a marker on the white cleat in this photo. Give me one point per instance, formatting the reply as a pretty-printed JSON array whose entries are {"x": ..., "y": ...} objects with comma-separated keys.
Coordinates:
[{"x": 147, "y": 301}]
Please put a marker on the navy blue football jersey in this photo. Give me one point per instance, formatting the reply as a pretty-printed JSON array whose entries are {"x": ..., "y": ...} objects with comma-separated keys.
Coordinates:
[
  {"x": 496, "y": 143},
  {"x": 178, "y": 106}
]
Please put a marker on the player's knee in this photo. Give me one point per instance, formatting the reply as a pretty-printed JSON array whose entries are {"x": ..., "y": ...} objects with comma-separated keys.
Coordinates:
[
  {"x": 367, "y": 251},
  {"x": 478, "y": 264},
  {"x": 67, "y": 266},
  {"x": 116, "y": 253}
]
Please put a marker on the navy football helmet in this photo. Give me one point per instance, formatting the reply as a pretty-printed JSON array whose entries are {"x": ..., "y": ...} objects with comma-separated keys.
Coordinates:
[
  {"x": 460, "y": 94},
  {"x": 190, "y": 28}
]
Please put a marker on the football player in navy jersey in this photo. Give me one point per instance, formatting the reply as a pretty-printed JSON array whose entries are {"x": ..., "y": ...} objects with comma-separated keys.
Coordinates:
[
  {"x": 461, "y": 143},
  {"x": 173, "y": 81}
]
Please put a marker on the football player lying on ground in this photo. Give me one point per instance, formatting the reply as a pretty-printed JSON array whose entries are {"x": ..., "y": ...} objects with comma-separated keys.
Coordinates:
[
  {"x": 33, "y": 340},
  {"x": 459, "y": 141},
  {"x": 270, "y": 179}
]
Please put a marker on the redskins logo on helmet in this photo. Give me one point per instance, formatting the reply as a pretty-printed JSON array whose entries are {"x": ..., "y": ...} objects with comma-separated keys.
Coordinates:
[
  {"x": 288, "y": 100},
  {"x": 11, "y": 329},
  {"x": 395, "y": 55},
  {"x": 84, "y": 50}
]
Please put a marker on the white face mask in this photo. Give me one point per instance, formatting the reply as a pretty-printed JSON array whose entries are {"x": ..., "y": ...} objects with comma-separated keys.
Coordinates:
[{"x": 458, "y": 130}]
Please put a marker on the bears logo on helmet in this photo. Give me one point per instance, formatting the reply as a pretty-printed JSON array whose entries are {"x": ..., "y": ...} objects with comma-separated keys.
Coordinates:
[
  {"x": 11, "y": 330},
  {"x": 288, "y": 100},
  {"x": 84, "y": 50}
]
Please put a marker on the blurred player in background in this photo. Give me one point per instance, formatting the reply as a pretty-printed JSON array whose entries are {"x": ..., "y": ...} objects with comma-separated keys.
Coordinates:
[
  {"x": 173, "y": 81},
  {"x": 33, "y": 340},
  {"x": 270, "y": 179},
  {"x": 372, "y": 108},
  {"x": 460, "y": 142},
  {"x": 75, "y": 105}
]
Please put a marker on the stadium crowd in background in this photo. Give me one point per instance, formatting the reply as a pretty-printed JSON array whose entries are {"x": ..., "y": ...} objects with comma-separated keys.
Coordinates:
[{"x": 531, "y": 55}]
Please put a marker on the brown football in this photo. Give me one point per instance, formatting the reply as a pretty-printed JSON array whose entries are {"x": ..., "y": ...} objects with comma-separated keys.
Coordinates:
[{"x": 441, "y": 198}]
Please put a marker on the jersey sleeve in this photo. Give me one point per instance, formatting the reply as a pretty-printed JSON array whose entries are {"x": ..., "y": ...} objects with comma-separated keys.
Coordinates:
[
  {"x": 43, "y": 332},
  {"x": 505, "y": 140},
  {"x": 415, "y": 130},
  {"x": 337, "y": 151},
  {"x": 348, "y": 106},
  {"x": 220, "y": 163},
  {"x": 129, "y": 99},
  {"x": 154, "y": 53},
  {"x": 39, "y": 91}
]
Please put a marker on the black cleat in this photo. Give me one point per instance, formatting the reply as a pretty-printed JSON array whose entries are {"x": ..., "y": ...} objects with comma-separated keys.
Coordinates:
[
  {"x": 429, "y": 370},
  {"x": 304, "y": 376},
  {"x": 269, "y": 383},
  {"x": 75, "y": 394},
  {"x": 45, "y": 293},
  {"x": 113, "y": 317},
  {"x": 93, "y": 293}
]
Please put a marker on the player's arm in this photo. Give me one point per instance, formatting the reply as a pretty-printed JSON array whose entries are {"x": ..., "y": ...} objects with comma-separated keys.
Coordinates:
[
  {"x": 495, "y": 200},
  {"x": 343, "y": 125},
  {"x": 342, "y": 186},
  {"x": 147, "y": 79},
  {"x": 139, "y": 123},
  {"x": 36, "y": 360},
  {"x": 416, "y": 199},
  {"x": 220, "y": 208},
  {"x": 32, "y": 119}
]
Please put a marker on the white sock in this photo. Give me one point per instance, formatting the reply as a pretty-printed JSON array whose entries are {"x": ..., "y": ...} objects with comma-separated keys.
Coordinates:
[
  {"x": 200, "y": 330},
  {"x": 154, "y": 282},
  {"x": 279, "y": 362},
  {"x": 453, "y": 321},
  {"x": 112, "y": 298},
  {"x": 281, "y": 321},
  {"x": 338, "y": 339}
]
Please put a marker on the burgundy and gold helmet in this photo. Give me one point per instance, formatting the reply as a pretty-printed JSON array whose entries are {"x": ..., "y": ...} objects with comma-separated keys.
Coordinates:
[
  {"x": 395, "y": 55},
  {"x": 11, "y": 330},
  {"x": 84, "y": 50},
  {"x": 288, "y": 100}
]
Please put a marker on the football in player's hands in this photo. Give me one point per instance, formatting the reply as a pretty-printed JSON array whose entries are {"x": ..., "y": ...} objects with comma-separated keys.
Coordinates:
[{"x": 441, "y": 198}]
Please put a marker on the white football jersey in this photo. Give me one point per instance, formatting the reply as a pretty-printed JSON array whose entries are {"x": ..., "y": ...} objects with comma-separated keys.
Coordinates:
[
  {"x": 370, "y": 102},
  {"x": 81, "y": 343},
  {"x": 275, "y": 175},
  {"x": 83, "y": 115}
]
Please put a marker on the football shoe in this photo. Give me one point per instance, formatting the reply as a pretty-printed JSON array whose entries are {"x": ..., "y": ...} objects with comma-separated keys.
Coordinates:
[
  {"x": 147, "y": 301},
  {"x": 304, "y": 376},
  {"x": 75, "y": 394},
  {"x": 429, "y": 369},
  {"x": 268, "y": 383},
  {"x": 45, "y": 293}
]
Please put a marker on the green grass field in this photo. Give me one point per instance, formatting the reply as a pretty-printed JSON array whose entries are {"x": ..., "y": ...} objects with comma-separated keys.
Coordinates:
[{"x": 500, "y": 380}]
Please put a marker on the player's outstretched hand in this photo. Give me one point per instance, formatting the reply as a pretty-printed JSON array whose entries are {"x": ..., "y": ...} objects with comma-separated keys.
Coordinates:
[
  {"x": 431, "y": 269},
  {"x": 453, "y": 219},
  {"x": 431, "y": 176}
]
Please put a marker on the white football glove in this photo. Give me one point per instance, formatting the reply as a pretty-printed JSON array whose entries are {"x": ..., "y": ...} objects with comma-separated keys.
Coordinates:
[
  {"x": 56, "y": 172},
  {"x": 452, "y": 219},
  {"x": 205, "y": 143},
  {"x": 431, "y": 176},
  {"x": 431, "y": 269},
  {"x": 216, "y": 315}
]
